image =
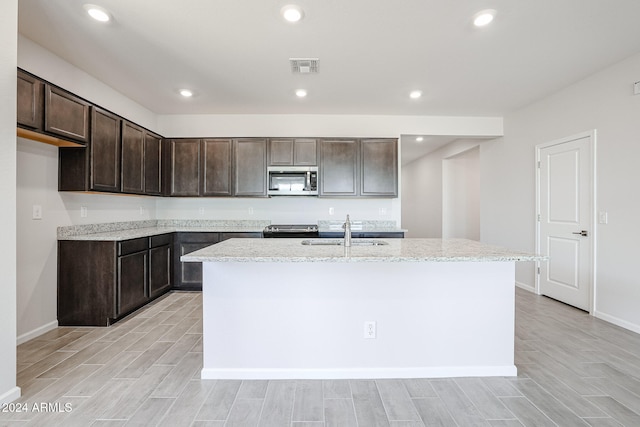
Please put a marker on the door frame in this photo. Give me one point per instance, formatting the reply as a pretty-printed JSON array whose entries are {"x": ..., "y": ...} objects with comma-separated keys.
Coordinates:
[{"x": 591, "y": 135}]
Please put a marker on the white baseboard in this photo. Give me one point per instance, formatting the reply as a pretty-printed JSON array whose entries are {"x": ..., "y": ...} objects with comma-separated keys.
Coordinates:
[
  {"x": 36, "y": 332},
  {"x": 617, "y": 321},
  {"x": 10, "y": 395},
  {"x": 526, "y": 287},
  {"x": 359, "y": 373}
]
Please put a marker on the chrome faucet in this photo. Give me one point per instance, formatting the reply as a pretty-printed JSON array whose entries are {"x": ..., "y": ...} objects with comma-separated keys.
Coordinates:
[{"x": 347, "y": 232}]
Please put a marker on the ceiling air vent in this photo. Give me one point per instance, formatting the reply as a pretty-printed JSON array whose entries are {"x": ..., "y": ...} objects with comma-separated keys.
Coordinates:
[{"x": 304, "y": 65}]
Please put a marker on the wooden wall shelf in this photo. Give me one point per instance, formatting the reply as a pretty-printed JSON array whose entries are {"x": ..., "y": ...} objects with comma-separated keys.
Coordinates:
[{"x": 51, "y": 140}]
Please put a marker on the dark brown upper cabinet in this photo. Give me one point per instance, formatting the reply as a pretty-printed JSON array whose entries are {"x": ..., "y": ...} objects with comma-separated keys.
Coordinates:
[
  {"x": 132, "y": 158},
  {"x": 184, "y": 167},
  {"x": 217, "y": 157},
  {"x": 66, "y": 115},
  {"x": 250, "y": 167},
  {"x": 293, "y": 151},
  {"x": 104, "y": 151},
  {"x": 152, "y": 164},
  {"x": 30, "y": 101},
  {"x": 339, "y": 167},
  {"x": 95, "y": 167},
  {"x": 141, "y": 160},
  {"x": 379, "y": 167}
]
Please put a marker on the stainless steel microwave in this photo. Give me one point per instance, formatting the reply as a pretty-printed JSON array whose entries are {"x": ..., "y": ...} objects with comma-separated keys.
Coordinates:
[{"x": 292, "y": 180}]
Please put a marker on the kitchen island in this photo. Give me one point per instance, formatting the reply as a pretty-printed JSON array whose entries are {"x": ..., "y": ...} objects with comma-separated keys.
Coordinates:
[{"x": 280, "y": 309}]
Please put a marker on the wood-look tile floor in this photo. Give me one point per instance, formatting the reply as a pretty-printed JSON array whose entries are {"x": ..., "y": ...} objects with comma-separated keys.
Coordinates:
[{"x": 573, "y": 370}]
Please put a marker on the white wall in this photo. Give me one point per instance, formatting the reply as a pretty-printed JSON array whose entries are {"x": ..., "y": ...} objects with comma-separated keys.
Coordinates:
[
  {"x": 300, "y": 125},
  {"x": 422, "y": 187},
  {"x": 604, "y": 102},
  {"x": 8, "y": 59},
  {"x": 280, "y": 210},
  {"x": 37, "y": 184},
  {"x": 461, "y": 195},
  {"x": 37, "y": 60}
]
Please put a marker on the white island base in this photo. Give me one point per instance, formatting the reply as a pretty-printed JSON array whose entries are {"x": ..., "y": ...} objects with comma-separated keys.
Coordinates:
[{"x": 305, "y": 320}]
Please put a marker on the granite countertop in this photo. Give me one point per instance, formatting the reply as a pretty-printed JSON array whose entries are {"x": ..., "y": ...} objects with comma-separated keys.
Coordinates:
[
  {"x": 397, "y": 250},
  {"x": 118, "y": 231},
  {"x": 367, "y": 226}
]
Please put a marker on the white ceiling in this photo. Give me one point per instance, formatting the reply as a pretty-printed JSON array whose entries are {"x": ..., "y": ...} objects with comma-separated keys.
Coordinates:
[{"x": 234, "y": 53}]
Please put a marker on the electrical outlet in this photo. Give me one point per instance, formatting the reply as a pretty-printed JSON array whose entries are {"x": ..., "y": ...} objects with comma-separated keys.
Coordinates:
[
  {"x": 370, "y": 330},
  {"x": 201, "y": 211},
  {"x": 141, "y": 210},
  {"x": 331, "y": 211},
  {"x": 250, "y": 211},
  {"x": 37, "y": 212},
  {"x": 83, "y": 212},
  {"x": 382, "y": 211}
]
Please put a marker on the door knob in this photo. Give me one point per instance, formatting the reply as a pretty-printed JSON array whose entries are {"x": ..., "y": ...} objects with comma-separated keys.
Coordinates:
[{"x": 584, "y": 233}]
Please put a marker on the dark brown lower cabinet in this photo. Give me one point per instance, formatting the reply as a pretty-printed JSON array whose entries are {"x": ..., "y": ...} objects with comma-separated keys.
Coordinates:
[
  {"x": 132, "y": 278},
  {"x": 101, "y": 282},
  {"x": 160, "y": 264},
  {"x": 188, "y": 275}
]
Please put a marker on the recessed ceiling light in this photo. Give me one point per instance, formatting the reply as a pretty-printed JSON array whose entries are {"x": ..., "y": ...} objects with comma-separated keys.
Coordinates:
[
  {"x": 415, "y": 94},
  {"x": 292, "y": 13},
  {"x": 419, "y": 139},
  {"x": 301, "y": 93},
  {"x": 98, "y": 13},
  {"x": 186, "y": 93},
  {"x": 484, "y": 17}
]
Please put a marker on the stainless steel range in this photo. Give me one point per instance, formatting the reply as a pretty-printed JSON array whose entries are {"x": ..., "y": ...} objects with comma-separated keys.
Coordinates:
[{"x": 290, "y": 231}]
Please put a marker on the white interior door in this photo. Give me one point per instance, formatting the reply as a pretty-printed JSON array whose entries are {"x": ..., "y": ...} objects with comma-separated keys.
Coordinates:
[{"x": 565, "y": 193}]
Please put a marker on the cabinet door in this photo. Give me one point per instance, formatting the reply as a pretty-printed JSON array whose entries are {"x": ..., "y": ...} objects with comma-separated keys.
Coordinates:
[
  {"x": 250, "y": 169},
  {"x": 66, "y": 115},
  {"x": 184, "y": 167},
  {"x": 217, "y": 167},
  {"x": 338, "y": 167},
  {"x": 379, "y": 169},
  {"x": 159, "y": 270},
  {"x": 86, "y": 291},
  {"x": 152, "y": 164},
  {"x": 290, "y": 151},
  {"x": 305, "y": 152},
  {"x": 132, "y": 158},
  {"x": 188, "y": 275},
  {"x": 132, "y": 281},
  {"x": 30, "y": 101},
  {"x": 280, "y": 152},
  {"x": 105, "y": 151}
]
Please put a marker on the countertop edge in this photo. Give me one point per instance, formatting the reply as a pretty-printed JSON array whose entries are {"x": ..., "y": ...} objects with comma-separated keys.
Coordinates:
[{"x": 350, "y": 259}]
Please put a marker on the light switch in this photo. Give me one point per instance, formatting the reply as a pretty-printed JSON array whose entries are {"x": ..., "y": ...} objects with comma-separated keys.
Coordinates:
[
  {"x": 603, "y": 217},
  {"x": 37, "y": 212}
]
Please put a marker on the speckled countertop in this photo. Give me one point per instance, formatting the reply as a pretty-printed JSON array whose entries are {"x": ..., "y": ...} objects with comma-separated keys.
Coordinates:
[
  {"x": 116, "y": 231},
  {"x": 397, "y": 250},
  {"x": 373, "y": 226}
]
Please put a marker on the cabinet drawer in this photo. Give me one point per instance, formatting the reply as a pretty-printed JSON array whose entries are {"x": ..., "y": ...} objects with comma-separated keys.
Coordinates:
[
  {"x": 131, "y": 246},
  {"x": 162, "y": 239}
]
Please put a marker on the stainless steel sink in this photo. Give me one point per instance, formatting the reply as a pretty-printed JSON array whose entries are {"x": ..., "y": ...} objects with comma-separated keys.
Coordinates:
[{"x": 340, "y": 242}]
